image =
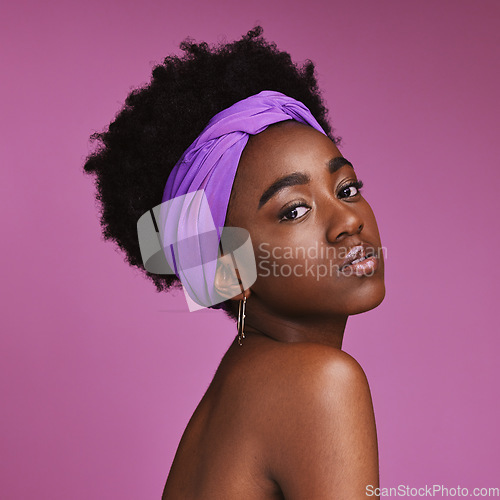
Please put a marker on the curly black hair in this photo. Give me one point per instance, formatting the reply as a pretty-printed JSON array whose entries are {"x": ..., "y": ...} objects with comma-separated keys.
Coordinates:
[{"x": 159, "y": 121}]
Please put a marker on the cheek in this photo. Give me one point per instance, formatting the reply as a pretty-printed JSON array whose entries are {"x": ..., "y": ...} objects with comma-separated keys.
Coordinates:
[
  {"x": 292, "y": 274},
  {"x": 297, "y": 273}
]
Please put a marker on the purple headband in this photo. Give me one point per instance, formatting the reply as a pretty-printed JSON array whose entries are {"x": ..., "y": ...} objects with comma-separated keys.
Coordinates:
[{"x": 199, "y": 187}]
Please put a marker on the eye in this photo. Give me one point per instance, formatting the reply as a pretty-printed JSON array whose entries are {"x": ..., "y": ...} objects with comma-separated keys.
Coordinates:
[
  {"x": 294, "y": 212},
  {"x": 351, "y": 189}
]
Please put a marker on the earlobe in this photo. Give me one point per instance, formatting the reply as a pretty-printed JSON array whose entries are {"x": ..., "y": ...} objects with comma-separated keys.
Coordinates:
[{"x": 227, "y": 281}]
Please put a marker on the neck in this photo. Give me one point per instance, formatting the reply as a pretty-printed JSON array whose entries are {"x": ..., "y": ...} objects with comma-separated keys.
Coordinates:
[{"x": 328, "y": 330}]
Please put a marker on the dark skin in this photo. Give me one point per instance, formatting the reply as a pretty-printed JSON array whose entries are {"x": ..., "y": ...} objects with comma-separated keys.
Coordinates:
[{"x": 289, "y": 414}]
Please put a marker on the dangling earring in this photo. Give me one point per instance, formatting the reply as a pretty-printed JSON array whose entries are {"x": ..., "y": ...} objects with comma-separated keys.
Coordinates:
[{"x": 241, "y": 320}]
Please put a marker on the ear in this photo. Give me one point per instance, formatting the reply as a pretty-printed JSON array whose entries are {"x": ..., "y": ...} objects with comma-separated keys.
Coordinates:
[{"x": 227, "y": 280}]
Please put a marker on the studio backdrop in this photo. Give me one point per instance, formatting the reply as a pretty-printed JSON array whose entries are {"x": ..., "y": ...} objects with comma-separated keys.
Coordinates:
[{"x": 99, "y": 373}]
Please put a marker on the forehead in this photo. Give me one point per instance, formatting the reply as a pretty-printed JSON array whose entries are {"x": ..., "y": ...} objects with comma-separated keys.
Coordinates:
[
  {"x": 281, "y": 149},
  {"x": 285, "y": 142}
]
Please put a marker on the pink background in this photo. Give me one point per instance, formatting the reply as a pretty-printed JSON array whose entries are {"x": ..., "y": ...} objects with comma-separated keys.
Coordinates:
[{"x": 100, "y": 374}]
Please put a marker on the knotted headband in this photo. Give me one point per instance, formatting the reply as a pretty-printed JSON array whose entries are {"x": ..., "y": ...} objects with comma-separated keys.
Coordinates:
[{"x": 197, "y": 192}]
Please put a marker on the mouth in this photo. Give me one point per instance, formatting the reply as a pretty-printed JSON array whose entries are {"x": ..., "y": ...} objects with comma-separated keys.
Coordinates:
[{"x": 360, "y": 261}]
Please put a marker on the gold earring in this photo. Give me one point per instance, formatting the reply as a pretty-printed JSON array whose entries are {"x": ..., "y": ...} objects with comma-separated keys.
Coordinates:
[{"x": 241, "y": 320}]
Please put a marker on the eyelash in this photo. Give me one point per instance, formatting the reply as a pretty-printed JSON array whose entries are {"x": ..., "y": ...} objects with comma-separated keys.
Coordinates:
[{"x": 358, "y": 184}]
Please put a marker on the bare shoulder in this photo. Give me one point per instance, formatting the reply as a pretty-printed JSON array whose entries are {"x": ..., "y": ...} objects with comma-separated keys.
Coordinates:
[
  {"x": 311, "y": 406},
  {"x": 304, "y": 368}
]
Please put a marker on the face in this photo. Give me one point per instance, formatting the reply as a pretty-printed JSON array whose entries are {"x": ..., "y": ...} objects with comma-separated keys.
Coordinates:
[{"x": 300, "y": 201}]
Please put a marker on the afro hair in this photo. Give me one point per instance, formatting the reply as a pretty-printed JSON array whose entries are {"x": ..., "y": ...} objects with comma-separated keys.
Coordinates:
[{"x": 134, "y": 156}]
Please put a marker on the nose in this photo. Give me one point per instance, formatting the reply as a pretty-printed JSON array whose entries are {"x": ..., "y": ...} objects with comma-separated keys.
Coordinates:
[{"x": 345, "y": 220}]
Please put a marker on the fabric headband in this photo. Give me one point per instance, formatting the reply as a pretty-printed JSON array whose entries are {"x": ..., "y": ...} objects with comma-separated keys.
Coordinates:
[{"x": 197, "y": 192}]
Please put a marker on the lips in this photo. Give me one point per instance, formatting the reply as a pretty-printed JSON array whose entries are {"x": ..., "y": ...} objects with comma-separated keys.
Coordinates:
[{"x": 356, "y": 254}]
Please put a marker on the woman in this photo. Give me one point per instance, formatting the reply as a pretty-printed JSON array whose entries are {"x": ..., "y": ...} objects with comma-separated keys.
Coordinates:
[{"x": 288, "y": 413}]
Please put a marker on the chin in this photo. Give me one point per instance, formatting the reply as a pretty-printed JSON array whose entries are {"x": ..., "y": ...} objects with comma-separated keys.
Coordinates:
[{"x": 370, "y": 300}]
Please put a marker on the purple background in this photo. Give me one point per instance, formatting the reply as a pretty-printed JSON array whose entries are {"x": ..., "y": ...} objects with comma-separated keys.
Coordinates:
[{"x": 100, "y": 373}]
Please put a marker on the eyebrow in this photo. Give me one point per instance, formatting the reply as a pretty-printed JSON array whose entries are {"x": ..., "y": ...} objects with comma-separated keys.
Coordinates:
[{"x": 299, "y": 178}]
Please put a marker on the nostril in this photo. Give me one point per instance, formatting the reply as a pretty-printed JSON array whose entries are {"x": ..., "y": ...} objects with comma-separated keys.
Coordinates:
[{"x": 341, "y": 236}]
